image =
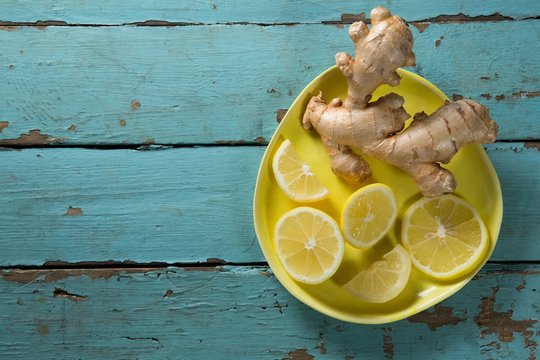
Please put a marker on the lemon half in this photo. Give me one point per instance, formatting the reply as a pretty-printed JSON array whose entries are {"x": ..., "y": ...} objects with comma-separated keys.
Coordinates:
[
  {"x": 309, "y": 244},
  {"x": 445, "y": 236},
  {"x": 294, "y": 177}
]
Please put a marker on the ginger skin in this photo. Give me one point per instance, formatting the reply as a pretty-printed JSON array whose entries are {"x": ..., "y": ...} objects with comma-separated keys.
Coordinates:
[{"x": 376, "y": 128}]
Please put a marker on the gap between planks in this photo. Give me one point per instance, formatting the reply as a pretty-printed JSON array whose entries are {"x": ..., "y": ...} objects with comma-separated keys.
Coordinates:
[
  {"x": 165, "y": 146},
  {"x": 346, "y": 19},
  {"x": 210, "y": 263}
]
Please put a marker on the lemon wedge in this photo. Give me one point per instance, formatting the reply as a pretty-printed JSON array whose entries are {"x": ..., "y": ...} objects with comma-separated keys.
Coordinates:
[
  {"x": 368, "y": 214},
  {"x": 383, "y": 280}
]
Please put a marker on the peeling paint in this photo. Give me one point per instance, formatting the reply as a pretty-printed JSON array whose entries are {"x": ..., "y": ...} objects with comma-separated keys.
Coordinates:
[
  {"x": 461, "y": 17},
  {"x": 438, "y": 41},
  {"x": 486, "y": 96},
  {"x": 135, "y": 104},
  {"x": 203, "y": 268},
  {"x": 388, "y": 346},
  {"x": 440, "y": 316},
  {"x": 72, "y": 128},
  {"x": 500, "y": 97},
  {"x": 33, "y": 137},
  {"x": 280, "y": 114},
  {"x": 3, "y": 125},
  {"x": 532, "y": 145},
  {"x": 74, "y": 211},
  {"x": 61, "y": 293},
  {"x": 502, "y": 325},
  {"x": 122, "y": 122},
  {"x": 260, "y": 140},
  {"x": 168, "y": 293},
  {"x": 526, "y": 94},
  {"x": 321, "y": 346},
  {"x": 215, "y": 261},
  {"x": 421, "y": 26},
  {"x": 457, "y": 97},
  {"x": 8, "y": 28},
  {"x": 48, "y": 276},
  {"x": 299, "y": 354},
  {"x": 351, "y": 18}
]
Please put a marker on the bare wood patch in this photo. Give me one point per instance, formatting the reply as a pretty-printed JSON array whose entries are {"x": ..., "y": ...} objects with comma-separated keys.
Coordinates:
[
  {"x": 280, "y": 114},
  {"x": 34, "y": 137},
  {"x": 320, "y": 346},
  {"x": 216, "y": 261},
  {"x": 440, "y": 316},
  {"x": 461, "y": 18},
  {"x": 388, "y": 345},
  {"x": 203, "y": 268},
  {"x": 50, "y": 276},
  {"x": 532, "y": 145},
  {"x": 502, "y": 325},
  {"x": 299, "y": 354},
  {"x": 72, "y": 128},
  {"x": 3, "y": 125},
  {"x": 525, "y": 94},
  {"x": 421, "y": 26},
  {"x": 135, "y": 104},
  {"x": 74, "y": 211}
]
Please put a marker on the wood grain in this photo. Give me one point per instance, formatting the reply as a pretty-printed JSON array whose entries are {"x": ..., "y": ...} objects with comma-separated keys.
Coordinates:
[
  {"x": 128, "y": 11},
  {"x": 208, "y": 84},
  {"x": 182, "y": 204},
  {"x": 243, "y": 312}
]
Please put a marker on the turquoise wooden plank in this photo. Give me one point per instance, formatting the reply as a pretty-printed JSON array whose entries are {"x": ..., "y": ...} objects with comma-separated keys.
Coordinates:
[
  {"x": 204, "y": 84},
  {"x": 127, "y": 11},
  {"x": 182, "y": 205},
  {"x": 241, "y": 312}
]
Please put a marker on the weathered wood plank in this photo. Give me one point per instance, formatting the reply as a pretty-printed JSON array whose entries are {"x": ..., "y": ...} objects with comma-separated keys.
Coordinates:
[
  {"x": 182, "y": 205},
  {"x": 241, "y": 312},
  {"x": 128, "y": 11},
  {"x": 204, "y": 84}
]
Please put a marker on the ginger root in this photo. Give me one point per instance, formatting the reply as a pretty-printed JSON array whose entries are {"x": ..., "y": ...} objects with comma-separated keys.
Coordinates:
[{"x": 358, "y": 126}]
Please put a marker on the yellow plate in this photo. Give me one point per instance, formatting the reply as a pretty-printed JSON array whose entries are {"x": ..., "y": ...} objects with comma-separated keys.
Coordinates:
[{"x": 477, "y": 183}]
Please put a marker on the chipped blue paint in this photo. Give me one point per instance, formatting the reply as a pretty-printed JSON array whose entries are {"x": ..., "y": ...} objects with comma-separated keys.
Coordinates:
[
  {"x": 232, "y": 313},
  {"x": 220, "y": 11},
  {"x": 78, "y": 83}
]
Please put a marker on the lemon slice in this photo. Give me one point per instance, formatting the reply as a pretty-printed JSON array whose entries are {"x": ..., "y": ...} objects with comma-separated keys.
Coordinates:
[
  {"x": 384, "y": 279},
  {"x": 445, "y": 236},
  {"x": 309, "y": 244},
  {"x": 368, "y": 214},
  {"x": 294, "y": 177}
]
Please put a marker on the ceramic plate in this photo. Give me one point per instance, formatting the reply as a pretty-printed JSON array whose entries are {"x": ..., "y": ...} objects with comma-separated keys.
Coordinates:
[{"x": 477, "y": 183}]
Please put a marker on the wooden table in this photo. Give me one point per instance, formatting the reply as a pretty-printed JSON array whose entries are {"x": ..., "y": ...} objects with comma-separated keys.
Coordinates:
[{"x": 132, "y": 133}]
